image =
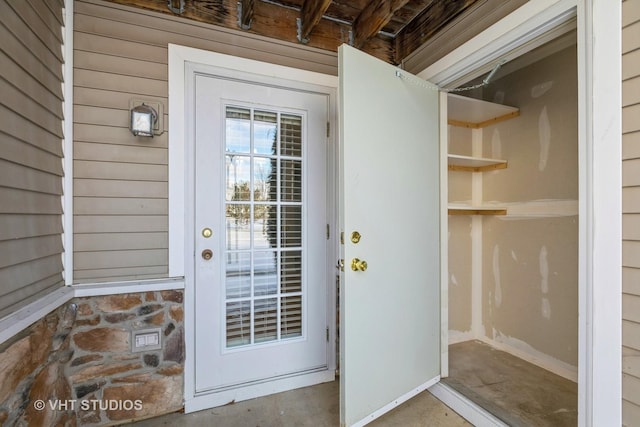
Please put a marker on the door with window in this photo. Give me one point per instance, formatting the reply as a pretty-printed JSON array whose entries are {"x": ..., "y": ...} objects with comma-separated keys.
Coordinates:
[{"x": 260, "y": 237}]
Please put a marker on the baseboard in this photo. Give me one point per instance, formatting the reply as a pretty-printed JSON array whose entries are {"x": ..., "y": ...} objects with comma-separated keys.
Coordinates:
[{"x": 537, "y": 358}]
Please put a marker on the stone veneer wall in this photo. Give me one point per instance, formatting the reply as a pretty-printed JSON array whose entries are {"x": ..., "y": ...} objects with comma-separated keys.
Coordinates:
[{"x": 78, "y": 361}]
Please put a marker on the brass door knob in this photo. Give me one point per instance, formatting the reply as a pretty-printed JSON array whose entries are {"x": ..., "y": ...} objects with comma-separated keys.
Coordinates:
[
  {"x": 207, "y": 254},
  {"x": 358, "y": 265}
]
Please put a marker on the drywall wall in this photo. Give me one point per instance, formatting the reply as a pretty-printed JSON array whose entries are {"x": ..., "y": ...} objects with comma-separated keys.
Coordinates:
[{"x": 529, "y": 258}]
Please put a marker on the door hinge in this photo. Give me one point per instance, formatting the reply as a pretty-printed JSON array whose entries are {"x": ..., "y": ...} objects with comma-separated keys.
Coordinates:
[
  {"x": 327, "y": 333},
  {"x": 328, "y": 232},
  {"x": 328, "y": 129}
]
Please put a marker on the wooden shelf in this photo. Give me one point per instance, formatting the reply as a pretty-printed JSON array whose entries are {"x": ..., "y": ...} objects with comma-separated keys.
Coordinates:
[
  {"x": 477, "y": 210},
  {"x": 476, "y": 113},
  {"x": 474, "y": 164}
]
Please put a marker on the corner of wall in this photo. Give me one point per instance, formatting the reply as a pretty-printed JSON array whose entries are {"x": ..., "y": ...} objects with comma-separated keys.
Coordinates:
[{"x": 75, "y": 365}]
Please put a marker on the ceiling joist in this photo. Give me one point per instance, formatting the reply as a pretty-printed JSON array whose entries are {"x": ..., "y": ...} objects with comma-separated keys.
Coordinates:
[
  {"x": 425, "y": 25},
  {"x": 373, "y": 18},
  {"x": 245, "y": 13},
  {"x": 310, "y": 15},
  {"x": 406, "y": 24}
]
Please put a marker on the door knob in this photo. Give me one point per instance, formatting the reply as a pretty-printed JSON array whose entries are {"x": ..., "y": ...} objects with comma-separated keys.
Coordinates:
[
  {"x": 358, "y": 265},
  {"x": 207, "y": 254}
]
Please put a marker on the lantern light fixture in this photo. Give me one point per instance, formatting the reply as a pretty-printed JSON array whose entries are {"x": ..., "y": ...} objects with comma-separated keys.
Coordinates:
[{"x": 143, "y": 120}]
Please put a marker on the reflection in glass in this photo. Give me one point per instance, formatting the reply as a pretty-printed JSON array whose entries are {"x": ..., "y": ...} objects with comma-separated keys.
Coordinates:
[
  {"x": 262, "y": 176},
  {"x": 265, "y": 321},
  {"x": 290, "y": 271},
  {"x": 238, "y": 272},
  {"x": 238, "y": 171},
  {"x": 238, "y": 130},
  {"x": 238, "y": 226},
  {"x": 238, "y": 323},
  {"x": 265, "y": 129},
  {"x": 262, "y": 236},
  {"x": 265, "y": 278},
  {"x": 291, "y": 317}
]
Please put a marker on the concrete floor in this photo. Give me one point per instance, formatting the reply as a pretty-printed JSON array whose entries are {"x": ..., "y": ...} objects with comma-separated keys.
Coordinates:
[
  {"x": 316, "y": 406},
  {"x": 515, "y": 391}
]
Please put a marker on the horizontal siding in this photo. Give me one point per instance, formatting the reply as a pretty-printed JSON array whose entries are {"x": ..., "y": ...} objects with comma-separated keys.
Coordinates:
[
  {"x": 631, "y": 91},
  {"x": 121, "y": 241},
  {"x": 121, "y": 181},
  {"x": 31, "y": 114},
  {"x": 120, "y": 206},
  {"x": 631, "y": 145},
  {"x": 631, "y": 334},
  {"x": 631, "y": 212},
  {"x": 631, "y": 280},
  {"x": 16, "y": 151}
]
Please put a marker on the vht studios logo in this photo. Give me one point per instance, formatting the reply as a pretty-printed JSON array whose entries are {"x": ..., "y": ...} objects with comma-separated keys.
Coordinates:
[{"x": 88, "y": 405}]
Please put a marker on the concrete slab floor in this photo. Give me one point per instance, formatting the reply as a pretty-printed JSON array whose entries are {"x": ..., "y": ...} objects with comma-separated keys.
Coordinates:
[
  {"x": 516, "y": 391},
  {"x": 316, "y": 406}
]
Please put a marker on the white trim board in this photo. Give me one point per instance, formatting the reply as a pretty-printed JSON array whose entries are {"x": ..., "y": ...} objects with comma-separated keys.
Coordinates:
[
  {"x": 470, "y": 411},
  {"x": 599, "y": 153},
  {"x": 67, "y": 147},
  {"x": 397, "y": 402},
  {"x": 27, "y": 315}
]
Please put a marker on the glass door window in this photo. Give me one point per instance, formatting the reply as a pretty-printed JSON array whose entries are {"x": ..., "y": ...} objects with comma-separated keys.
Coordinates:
[{"x": 264, "y": 226}]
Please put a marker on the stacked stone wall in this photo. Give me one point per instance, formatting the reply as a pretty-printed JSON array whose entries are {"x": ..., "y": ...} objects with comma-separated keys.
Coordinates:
[{"x": 76, "y": 366}]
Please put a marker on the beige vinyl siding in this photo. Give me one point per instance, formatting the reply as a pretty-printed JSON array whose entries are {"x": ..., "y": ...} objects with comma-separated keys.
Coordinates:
[
  {"x": 631, "y": 212},
  {"x": 31, "y": 114},
  {"x": 120, "y": 181}
]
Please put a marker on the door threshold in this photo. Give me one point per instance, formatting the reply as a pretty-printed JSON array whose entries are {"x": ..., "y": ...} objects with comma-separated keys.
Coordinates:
[
  {"x": 208, "y": 400},
  {"x": 472, "y": 412}
]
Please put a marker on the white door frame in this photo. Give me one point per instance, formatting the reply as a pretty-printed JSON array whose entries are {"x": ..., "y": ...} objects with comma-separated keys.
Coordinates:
[
  {"x": 600, "y": 187},
  {"x": 182, "y": 187}
]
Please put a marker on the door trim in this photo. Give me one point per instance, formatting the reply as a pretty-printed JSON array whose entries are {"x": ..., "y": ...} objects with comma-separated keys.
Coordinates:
[
  {"x": 600, "y": 185},
  {"x": 182, "y": 195}
]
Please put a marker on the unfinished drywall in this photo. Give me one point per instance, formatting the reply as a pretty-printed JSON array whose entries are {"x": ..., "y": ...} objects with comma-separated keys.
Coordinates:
[
  {"x": 460, "y": 275},
  {"x": 528, "y": 258}
]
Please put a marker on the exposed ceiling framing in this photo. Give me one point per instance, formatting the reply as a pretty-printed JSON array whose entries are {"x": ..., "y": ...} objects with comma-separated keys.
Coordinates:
[{"x": 387, "y": 29}]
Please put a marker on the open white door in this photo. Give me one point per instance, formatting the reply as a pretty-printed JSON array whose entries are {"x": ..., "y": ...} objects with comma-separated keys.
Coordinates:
[{"x": 390, "y": 195}]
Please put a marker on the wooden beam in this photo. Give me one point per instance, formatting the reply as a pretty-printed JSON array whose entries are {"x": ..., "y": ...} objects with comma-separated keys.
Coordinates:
[
  {"x": 425, "y": 25},
  {"x": 268, "y": 20},
  {"x": 310, "y": 15},
  {"x": 373, "y": 18},
  {"x": 245, "y": 14}
]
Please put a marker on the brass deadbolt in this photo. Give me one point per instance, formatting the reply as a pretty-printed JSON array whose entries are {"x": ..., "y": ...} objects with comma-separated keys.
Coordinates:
[
  {"x": 355, "y": 237},
  {"x": 206, "y": 232}
]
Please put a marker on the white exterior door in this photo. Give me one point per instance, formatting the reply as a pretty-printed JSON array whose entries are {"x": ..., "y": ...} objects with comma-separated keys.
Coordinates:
[
  {"x": 260, "y": 255},
  {"x": 390, "y": 195}
]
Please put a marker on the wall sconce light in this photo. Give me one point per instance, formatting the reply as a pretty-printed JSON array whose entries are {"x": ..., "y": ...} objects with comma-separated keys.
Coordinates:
[{"x": 146, "y": 118}]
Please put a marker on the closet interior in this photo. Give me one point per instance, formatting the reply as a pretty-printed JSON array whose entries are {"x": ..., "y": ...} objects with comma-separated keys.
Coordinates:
[{"x": 513, "y": 238}]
